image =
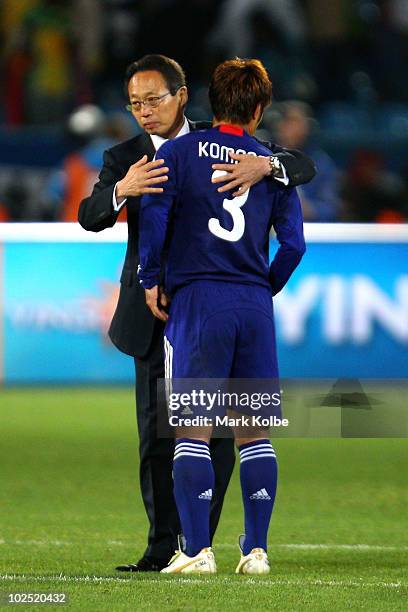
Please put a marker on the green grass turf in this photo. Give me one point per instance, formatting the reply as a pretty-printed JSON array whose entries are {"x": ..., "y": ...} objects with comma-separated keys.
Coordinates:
[{"x": 70, "y": 510}]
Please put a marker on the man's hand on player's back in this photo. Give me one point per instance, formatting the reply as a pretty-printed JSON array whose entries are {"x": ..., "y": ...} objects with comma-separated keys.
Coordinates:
[
  {"x": 142, "y": 177},
  {"x": 249, "y": 170}
]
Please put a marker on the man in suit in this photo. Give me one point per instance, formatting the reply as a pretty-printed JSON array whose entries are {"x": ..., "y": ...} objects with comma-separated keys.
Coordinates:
[{"x": 158, "y": 95}]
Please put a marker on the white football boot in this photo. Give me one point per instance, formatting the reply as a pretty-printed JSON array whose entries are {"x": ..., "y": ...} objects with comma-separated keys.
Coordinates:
[
  {"x": 202, "y": 563},
  {"x": 256, "y": 562}
]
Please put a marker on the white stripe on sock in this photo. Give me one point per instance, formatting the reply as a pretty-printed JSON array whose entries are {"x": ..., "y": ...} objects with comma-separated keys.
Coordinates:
[
  {"x": 197, "y": 456},
  {"x": 251, "y": 449},
  {"x": 258, "y": 457},
  {"x": 257, "y": 451},
  {"x": 190, "y": 450},
  {"x": 190, "y": 445}
]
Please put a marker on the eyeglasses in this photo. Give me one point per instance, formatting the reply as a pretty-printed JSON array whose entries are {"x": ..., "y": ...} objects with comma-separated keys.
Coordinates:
[{"x": 150, "y": 102}]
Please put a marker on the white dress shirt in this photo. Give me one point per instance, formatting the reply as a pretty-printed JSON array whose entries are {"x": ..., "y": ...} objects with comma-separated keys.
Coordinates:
[{"x": 157, "y": 143}]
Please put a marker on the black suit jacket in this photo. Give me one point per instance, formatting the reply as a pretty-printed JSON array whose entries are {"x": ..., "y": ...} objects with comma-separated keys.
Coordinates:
[{"x": 132, "y": 325}]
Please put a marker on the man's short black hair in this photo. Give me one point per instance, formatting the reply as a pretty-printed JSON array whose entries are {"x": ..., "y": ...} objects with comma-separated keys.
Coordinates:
[{"x": 170, "y": 70}]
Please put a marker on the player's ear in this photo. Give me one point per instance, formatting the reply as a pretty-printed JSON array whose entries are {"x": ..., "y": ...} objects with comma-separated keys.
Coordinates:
[{"x": 183, "y": 95}]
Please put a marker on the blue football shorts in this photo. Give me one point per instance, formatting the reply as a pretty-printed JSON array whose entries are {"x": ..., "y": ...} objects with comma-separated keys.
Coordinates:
[{"x": 219, "y": 330}]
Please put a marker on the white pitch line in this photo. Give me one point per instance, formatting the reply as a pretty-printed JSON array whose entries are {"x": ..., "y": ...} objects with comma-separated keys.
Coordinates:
[
  {"x": 244, "y": 582},
  {"x": 225, "y": 545}
]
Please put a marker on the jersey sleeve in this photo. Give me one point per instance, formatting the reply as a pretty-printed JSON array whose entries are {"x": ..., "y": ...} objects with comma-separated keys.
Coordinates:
[
  {"x": 154, "y": 219},
  {"x": 288, "y": 225}
]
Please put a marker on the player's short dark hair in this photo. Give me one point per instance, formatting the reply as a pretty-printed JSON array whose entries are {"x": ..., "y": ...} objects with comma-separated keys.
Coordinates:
[
  {"x": 170, "y": 70},
  {"x": 237, "y": 87}
]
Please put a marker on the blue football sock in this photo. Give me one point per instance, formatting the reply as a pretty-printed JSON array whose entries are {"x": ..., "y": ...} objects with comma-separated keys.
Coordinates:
[
  {"x": 193, "y": 476},
  {"x": 258, "y": 483}
]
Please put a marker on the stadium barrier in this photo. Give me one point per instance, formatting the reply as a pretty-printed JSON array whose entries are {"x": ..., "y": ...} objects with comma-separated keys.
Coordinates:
[{"x": 344, "y": 313}]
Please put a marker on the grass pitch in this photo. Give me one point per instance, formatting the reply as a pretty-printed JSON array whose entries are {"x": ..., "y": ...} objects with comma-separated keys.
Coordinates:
[{"x": 70, "y": 510}]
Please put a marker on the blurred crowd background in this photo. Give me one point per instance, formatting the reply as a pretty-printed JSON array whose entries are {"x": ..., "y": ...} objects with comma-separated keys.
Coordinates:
[{"x": 339, "y": 78}]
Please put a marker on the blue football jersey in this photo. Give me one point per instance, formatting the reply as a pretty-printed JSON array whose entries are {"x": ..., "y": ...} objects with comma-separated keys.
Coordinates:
[{"x": 207, "y": 235}]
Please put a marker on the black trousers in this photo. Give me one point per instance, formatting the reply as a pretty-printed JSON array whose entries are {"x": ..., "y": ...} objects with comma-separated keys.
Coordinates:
[{"x": 156, "y": 459}]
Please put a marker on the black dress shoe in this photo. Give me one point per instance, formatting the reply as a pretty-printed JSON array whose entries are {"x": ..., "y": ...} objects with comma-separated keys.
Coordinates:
[{"x": 146, "y": 564}]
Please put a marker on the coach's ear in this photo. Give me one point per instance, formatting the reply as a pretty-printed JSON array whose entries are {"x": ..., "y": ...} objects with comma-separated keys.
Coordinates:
[{"x": 183, "y": 95}]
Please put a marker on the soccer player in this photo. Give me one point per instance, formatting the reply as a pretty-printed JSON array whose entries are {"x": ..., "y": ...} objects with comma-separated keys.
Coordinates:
[{"x": 220, "y": 323}]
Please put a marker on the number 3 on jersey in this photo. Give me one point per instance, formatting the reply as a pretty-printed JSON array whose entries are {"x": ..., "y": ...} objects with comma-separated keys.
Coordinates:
[{"x": 234, "y": 208}]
